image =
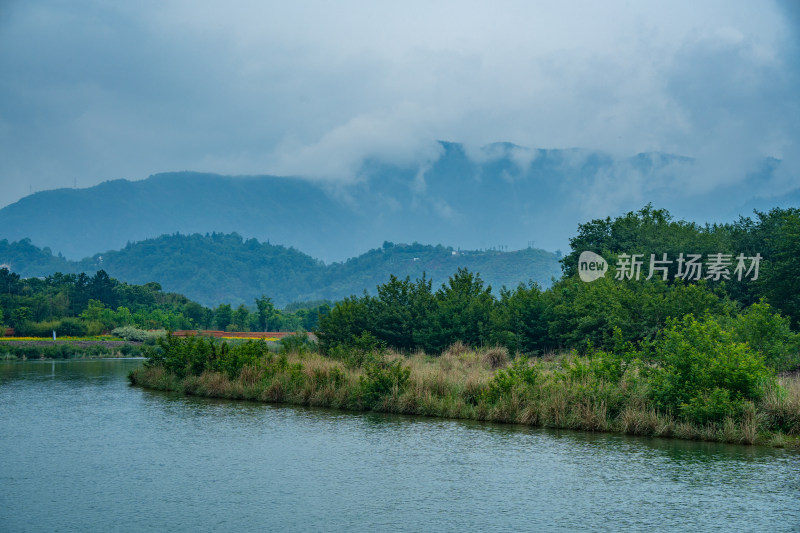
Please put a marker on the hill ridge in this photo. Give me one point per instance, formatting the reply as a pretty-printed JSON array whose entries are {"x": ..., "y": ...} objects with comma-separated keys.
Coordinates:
[{"x": 227, "y": 268}]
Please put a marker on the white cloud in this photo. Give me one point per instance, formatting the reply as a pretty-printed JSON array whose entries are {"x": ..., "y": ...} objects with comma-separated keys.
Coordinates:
[{"x": 96, "y": 90}]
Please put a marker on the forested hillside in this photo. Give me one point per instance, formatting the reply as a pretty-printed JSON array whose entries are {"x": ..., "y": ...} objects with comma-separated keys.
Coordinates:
[{"x": 225, "y": 268}]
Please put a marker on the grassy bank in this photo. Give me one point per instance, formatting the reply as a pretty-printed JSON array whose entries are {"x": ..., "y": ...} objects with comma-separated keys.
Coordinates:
[
  {"x": 564, "y": 391},
  {"x": 23, "y": 349}
]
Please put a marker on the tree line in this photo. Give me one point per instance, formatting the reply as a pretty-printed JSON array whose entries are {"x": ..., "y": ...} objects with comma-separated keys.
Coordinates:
[
  {"x": 411, "y": 315},
  {"x": 79, "y": 304}
]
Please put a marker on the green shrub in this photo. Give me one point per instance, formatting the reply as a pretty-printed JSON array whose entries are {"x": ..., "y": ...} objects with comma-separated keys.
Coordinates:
[
  {"x": 71, "y": 327},
  {"x": 94, "y": 328},
  {"x": 36, "y": 329},
  {"x": 360, "y": 351},
  {"x": 297, "y": 343},
  {"x": 704, "y": 374},
  {"x": 184, "y": 356},
  {"x": 520, "y": 375},
  {"x": 380, "y": 379}
]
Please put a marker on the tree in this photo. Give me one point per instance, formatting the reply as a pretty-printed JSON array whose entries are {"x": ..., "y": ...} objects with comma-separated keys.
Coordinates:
[
  {"x": 266, "y": 313},
  {"x": 392, "y": 313},
  {"x": 780, "y": 277},
  {"x": 19, "y": 316},
  {"x": 519, "y": 322},
  {"x": 647, "y": 231},
  {"x": 101, "y": 287},
  {"x": 223, "y": 316},
  {"x": 463, "y": 312},
  {"x": 9, "y": 282},
  {"x": 348, "y": 320},
  {"x": 241, "y": 318}
]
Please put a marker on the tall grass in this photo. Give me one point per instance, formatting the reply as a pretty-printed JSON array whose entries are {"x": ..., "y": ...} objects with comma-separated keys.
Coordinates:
[{"x": 560, "y": 392}]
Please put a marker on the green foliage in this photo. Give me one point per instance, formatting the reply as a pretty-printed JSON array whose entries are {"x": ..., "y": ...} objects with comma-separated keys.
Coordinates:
[
  {"x": 609, "y": 366},
  {"x": 646, "y": 231},
  {"x": 223, "y": 316},
  {"x": 779, "y": 235},
  {"x": 407, "y": 316},
  {"x": 519, "y": 320},
  {"x": 66, "y": 327},
  {"x": 20, "y": 315},
  {"x": 36, "y": 329},
  {"x": 71, "y": 327},
  {"x": 230, "y": 359},
  {"x": 775, "y": 236},
  {"x": 381, "y": 379},
  {"x": 191, "y": 356},
  {"x": 463, "y": 312},
  {"x": 36, "y": 307},
  {"x": 359, "y": 350},
  {"x": 769, "y": 333},
  {"x": 298, "y": 343},
  {"x": 266, "y": 314},
  {"x": 63, "y": 350},
  {"x": 518, "y": 377},
  {"x": 704, "y": 373},
  {"x": 581, "y": 312},
  {"x": 348, "y": 320}
]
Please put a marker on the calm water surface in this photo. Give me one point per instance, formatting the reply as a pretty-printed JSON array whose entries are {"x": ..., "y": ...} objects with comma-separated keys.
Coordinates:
[{"x": 81, "y": 450}]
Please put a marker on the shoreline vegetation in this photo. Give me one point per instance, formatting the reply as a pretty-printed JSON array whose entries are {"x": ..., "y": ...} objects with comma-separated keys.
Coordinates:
[
  {"x": 699, "y": 342},
  {"x": 596, "y": 392},
  {"x": 23, "y": 349}
]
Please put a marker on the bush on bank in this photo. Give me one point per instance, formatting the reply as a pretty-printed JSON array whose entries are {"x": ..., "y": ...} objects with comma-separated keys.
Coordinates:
[{"x": 695, "y": 381}]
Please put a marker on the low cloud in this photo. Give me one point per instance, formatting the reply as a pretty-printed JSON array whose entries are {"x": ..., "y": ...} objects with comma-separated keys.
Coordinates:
[{"x": 94, "y": 91}]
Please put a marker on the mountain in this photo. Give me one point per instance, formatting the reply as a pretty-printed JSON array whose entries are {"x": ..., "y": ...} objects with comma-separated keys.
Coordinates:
[
  {"x": 78, "y": 222},
  {"x": 499, "y": 196},
  {"x": 225, "y": 268}
]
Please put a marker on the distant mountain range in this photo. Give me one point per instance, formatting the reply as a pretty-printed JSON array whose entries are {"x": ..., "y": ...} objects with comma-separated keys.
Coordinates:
[
  {"x": 501, "y": 196},
  {"x": 225, "y": 268}
]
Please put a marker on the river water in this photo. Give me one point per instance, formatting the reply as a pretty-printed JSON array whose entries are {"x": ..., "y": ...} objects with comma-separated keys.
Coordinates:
[{"x": 81, "y": 450}]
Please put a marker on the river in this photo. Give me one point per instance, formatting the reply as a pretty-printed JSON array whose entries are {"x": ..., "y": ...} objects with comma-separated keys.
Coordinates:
[{"x": 81, "y": 450}]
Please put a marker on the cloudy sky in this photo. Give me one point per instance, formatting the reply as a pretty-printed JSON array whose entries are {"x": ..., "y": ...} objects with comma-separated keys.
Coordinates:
[{"x": 98, "y": 90}]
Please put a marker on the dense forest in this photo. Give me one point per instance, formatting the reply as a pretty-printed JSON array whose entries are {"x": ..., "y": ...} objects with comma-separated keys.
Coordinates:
[
  {"x": 221, "y": 268},
  {"x": 78, "y": 305},
  {"x": 761, "y": 308},
  {"x": 760, "y": 305}
]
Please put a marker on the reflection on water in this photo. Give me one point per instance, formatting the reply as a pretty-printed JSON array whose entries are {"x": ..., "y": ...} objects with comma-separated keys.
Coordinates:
[{"x": 81, "y": 450}]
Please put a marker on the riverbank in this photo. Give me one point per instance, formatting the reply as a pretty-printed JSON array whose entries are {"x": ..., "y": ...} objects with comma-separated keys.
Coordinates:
[
  {"x": 558, "y": 392},
  {"x": 15, "y": 349}
]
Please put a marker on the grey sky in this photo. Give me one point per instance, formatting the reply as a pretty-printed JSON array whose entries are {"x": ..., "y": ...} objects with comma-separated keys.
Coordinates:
[{"x": 93, "y": 90}]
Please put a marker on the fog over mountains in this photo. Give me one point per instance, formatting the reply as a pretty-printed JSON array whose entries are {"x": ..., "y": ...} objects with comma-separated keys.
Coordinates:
[{"x": 501, "y": 196}]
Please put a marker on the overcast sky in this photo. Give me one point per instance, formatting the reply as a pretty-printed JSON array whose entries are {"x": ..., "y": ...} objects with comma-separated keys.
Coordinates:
[{"x": 98, "y": 90}]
